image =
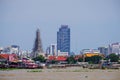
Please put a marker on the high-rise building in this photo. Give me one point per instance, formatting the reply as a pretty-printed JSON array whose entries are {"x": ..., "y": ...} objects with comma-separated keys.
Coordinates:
[
  {"x": 52, "y": 50},
  {"x": 114, "y": 48},
  {"x": 103, "y": 50},
  {"x": 37, "y": 50},
  {"x": 63, "y": 39}
]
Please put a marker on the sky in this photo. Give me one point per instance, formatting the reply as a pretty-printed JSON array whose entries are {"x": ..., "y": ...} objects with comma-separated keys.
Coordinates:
[{"x": 93, "y": 23}]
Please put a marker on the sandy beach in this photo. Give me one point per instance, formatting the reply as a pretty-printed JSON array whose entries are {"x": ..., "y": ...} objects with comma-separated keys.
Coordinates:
[{"x": 73, "y": 73}]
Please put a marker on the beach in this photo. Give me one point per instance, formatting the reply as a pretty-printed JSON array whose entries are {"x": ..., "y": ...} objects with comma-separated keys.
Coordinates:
[{"x": 72, "y": 73}]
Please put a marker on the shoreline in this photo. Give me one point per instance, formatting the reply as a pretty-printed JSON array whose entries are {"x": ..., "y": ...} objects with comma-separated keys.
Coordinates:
[{"x": 71, "y": 73}]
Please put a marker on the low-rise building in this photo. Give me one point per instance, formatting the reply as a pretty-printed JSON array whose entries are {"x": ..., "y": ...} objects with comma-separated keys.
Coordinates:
[
  {"x": 11, "y": 49},
  {"x": 91, "y": 54},
  {"x": 62, "y": 53},
  {"x": 84, "y": 51}
]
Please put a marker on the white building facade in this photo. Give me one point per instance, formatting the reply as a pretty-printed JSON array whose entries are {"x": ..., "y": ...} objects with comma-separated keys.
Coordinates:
[
  {"x": 84, "y": 51},
  {"x": 114, "y": 48}
]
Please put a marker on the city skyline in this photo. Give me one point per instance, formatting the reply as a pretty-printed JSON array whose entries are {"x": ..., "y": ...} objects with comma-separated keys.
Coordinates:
[{"x": 92, "y": 23}]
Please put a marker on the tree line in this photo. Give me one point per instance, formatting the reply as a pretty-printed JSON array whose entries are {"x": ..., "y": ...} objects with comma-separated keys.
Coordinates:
[{"x": 92, "y": 60}]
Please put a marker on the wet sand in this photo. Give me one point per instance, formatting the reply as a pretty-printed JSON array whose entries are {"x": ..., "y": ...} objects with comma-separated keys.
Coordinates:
[{"x": 60, "y": 74}]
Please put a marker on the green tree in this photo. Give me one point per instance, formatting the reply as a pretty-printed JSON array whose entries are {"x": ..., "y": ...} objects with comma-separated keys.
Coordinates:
[
  {"x": 54, "y": 61},
  {"x": 71, "y": 60},
  {"x": 113, "y": 57},
  {"x": 93, "y": 59},
  {"x": 88, "y": 59},
  {"x": 80, "y": 59},
  {"x": 39, "y": 58}
]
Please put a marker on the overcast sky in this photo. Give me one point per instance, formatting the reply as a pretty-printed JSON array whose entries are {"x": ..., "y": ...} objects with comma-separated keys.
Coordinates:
[{"x": 93, "y": 23}]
